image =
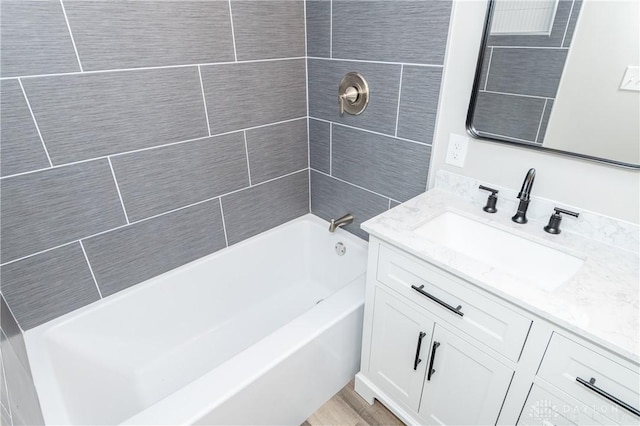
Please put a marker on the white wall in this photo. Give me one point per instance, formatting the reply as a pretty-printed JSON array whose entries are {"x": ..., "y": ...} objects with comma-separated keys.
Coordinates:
[
  {"x": 586, "y": 185},
  {"x": 590, "y": 107}
]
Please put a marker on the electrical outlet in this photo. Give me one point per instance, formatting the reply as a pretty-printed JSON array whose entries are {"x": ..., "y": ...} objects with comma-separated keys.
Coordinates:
[{"x": 457, "y": 150}]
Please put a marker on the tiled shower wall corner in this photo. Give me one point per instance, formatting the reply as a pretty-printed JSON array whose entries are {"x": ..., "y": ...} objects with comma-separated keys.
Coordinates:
[
  {"x": 368, "y": 163},
  {"x": 138, "y": 136},
  {"x": 520, "y": 78}
]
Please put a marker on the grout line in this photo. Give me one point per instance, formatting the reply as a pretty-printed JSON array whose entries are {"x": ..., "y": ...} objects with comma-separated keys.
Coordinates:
[
  {"x": 152, "y": 217},
  {"x": 204, "y": 101},
  {"x": 246, "y": 151},
  {"x": 544, "y": 108},
  {"x": 373, "y": 131},
  {"x": 233, "y": 33},
  {"x": 330, "y": 149},
  {"x": 75, "y": 49},
  {"x": 516, "y": 94},
  {"x": 330, "y": 29},
  {"x": 33, "y": 117},
  {"x": 532, "y": 47},
  {"x": 566, "y": 28},
  {"x": 224, "y": 225},
  {"x": 149, "y": 148},
  {"x": 113, "y": 173},
  {"x": 486, "y": 77},
  {"x": 90, "y": 268},
  {"x": 354, "y": 185},
  {"x": 309, "y": 160},
  {"x": 389, "y": 204},
  {"x": 399, "y": 96},
  {"x": 306, "y": 62},
  {"x": 159, "y": 67},
  {"x": 377, "y": 62}
]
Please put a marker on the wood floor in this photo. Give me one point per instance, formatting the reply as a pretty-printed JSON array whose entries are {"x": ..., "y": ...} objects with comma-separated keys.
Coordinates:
[{"x": 349, "y": 409}]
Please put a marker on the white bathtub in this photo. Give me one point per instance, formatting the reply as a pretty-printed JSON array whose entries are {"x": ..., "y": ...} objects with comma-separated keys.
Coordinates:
[{"x": 263, "y": 332}]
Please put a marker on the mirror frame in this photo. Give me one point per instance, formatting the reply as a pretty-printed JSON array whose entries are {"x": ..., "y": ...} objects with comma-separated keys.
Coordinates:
[{"x": 474, "y": 97}]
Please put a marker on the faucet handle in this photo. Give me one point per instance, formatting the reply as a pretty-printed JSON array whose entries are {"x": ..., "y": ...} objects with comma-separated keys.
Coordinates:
[
  {"x": 491, "y": 201},
  {"x": 553, "y": 227}
]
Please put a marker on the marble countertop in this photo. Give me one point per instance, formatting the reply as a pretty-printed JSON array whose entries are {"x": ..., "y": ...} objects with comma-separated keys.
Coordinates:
[{"x": 600, "y": 302}]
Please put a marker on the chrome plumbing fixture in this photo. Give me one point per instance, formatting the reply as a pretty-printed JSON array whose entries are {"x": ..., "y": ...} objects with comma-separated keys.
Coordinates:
[
  {"x": 353, "y": 94},
  {"x": 554, "y": 221},
  {"x": 524, "y": 195},
  {"x": 343, "y": 221}
]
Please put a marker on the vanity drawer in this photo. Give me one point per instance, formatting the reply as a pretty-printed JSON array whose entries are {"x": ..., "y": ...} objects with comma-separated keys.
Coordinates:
[
  {"x": 566, "y": 361},
  {"x": 483, "y": 319}
]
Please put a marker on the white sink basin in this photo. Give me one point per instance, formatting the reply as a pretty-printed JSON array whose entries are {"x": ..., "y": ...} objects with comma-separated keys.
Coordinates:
[{"x": 544, "y": 266}]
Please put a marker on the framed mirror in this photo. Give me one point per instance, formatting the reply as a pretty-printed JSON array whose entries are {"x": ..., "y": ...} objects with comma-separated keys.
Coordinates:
[{"x": 558, "y": 75}]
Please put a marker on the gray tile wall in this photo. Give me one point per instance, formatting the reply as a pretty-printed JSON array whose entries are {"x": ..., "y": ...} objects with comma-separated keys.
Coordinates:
[
  {"x": 126, "y": 126},
  {"x": 520, "y": 78},
  {"x": 138, "y": 136},
  {"x": 368, "y": 163}
]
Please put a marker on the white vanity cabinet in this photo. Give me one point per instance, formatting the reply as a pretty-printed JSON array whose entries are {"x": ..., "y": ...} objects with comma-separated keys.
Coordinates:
[
  {"x": 401, "y": 337},
  {"x": 439, "y": 351},
  {"x": 477, "y": 381}
]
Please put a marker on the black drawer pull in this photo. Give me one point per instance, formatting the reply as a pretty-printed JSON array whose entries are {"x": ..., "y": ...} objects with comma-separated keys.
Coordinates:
[
  {"x": 418, "y": 360},
  {"x": 455, "y": 310},
  {"x": 433, "y": 357},
  {"x": 591, "y": 386}
]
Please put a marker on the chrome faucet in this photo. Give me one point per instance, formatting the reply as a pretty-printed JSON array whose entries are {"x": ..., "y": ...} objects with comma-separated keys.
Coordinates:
[
  {"x": 524, "y": 195},
  {"x": 343, "y": 221}
]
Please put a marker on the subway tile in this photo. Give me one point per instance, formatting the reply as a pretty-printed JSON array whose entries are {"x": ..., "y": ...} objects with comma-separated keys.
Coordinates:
[
  {"x": 111, "y": 35},
  {"x": 507, "y": 115},
  {"x": 91, "y": 115},
  {"x": 391, "y": 167},
  {"x": 534, "y": 72},
  {"x": 486, "y": 60},
  {"x": 12, "y": 331},
  {"x": 331, "y": 198},
  {"x": 545, "y": 121},
  {"x": 130, "y": 255},
  {"x": 252, "y": 94},
  {"x": 553, "y": 39},
  {"x": 21, "y": 149},
  {"x": 393, "y": 204},
  {"x": 47, "y": 285},
  {"x": 266, "y": 29},
  {"x": 277, "y": 150},
  {"x": 419, "y": 103},
  {"x": 384, "y": 83},
  {"x": 320, "y": 145},
  {"x": 319, "y": 28},
  {"x": 45, "y": 209},
  {"x": 396, "y": 31},
  {"x": 260, "y": 208},
  {"x": 35, "y": 39},
  {"x": 23, "y": 397},
  {"x": 158, "y": 180}
]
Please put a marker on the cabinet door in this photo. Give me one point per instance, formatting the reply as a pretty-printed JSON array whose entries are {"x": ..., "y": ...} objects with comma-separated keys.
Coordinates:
[
  {"x": 399, "y": 348},
  {"x": 465, "y": 386}
]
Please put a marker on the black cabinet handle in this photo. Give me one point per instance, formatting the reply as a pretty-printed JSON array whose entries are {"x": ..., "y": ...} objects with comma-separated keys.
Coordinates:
[
  {"x": 591, "y": 386},
  {"x": 433, "y": 357},
  {"x": 418, "y": 360},
  {"x": 455, "y": 310}
]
